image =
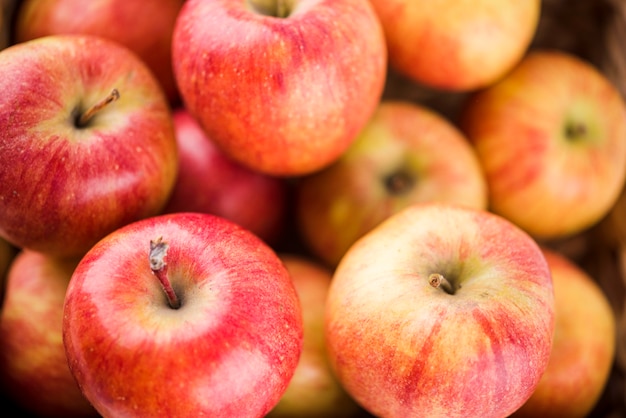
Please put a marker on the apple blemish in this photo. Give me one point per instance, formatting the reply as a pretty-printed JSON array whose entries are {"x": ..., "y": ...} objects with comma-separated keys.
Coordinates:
[
  {"x": 83, "y": 119},
  {"x": 158, "y": 252}
]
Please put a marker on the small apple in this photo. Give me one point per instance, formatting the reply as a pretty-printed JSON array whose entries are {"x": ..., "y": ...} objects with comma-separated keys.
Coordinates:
[
  {"x": 144, "y": 26},
  {"x": 457, "y": 45},
  {"x": 281, "y": 86},
  {"x": 406, "y": 153},
  {"x": 184, "y": 314},
  {"x": 87, "y": 143},
  {"x": 584, "y": 345},
  {"x": 33, "y": 367},
  {"x": 314, "y": 391},
  {"x": 441, "y": 310},
  {"x": 551, "y": 137},
  {"x": 211, "y": 182}
]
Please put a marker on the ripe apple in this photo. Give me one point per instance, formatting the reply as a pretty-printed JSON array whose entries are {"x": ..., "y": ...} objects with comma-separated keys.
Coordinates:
[
  {"x": 184, "y": 314},
  {"x": 314, "y": 391},
  {"x": 551, "y": 137},
  {"x": 406, "y": 153},
  {"x": 584, "y": 345},
  {"x": 457, "y": 45},
  {"x": 33, "y": 366},
  {"x": 144, "y": 26},
  {"x": 211, "y": 182},
  {"x": 87, "y": 142},
  {"x": 283, "y": 87},
  {"x": 441, "y": 310}
]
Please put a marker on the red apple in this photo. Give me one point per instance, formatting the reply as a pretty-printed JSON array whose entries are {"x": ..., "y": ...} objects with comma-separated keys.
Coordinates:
[
  {"x": 406, "y": 153},
  {"x": 87, "y": 143},
  {"x": 185, "y": 314},
  {"x": 441, "y": 310},
  {"x": 551, "y": 137},
  {"x": 314, "y": 391},
  {"x": 283, "y": 87},
  {"x": 211, "y": 182},
  {"x": 33, "y": 366},
  {"x": 457, "y": 45},
  {"x": 144, "y": 26},
  {"x": 584, "y": 345}
]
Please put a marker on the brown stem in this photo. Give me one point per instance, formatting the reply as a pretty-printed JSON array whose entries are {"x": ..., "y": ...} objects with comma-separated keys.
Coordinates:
[
  {"x": 437, "y": 280},
  {"x": 158, "y": 251},
  {"x": 89, "y": 113}
]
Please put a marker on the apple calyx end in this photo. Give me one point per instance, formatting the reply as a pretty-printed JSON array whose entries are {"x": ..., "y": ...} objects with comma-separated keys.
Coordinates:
[
  {"x": 399, "y": 183},
  {"x": 575, "y": 131},
  {"x": 438, "y": 281},
  {"x": 86, "y": 116},
  {"x": 158, "y": 265}
]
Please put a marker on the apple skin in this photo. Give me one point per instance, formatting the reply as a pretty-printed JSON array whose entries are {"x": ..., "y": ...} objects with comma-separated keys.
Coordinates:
[
  {"x": 457, "y": 45},
  {"x": 33, "y": 367},
  {"x": 551, "y": 137},
  {"x": 314, "y": 391},
  {"x": 406, "y": 153},
  {"x": 211, "y": 182},
  {"x": 402, "y": 347},
  {"x": 64, "y": 187},
  {"x": 229, "y": 350},
  {"x": 283, "y": 96},
  {"x": 144, "y": 26},
  {"x": 583, "y": 349}
]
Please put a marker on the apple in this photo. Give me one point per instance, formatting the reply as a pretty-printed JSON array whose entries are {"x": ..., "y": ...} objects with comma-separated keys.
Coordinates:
[
  {"x": 281, "y": 86},
  {"x": 441, "y": 310},
  {"x": 551, "y": 137},
  {"x": 144, "y": 26},
  {"x": 314, "y": 391},
  {"x": 211, "y": 182},
  {"x": 33, "y": 367},
  {"x": 184, "y": 314},
  {"x": 407, "y": 153},
  {"x": 583, "y": 349},
  {"x": 87, "y": 143},
  {"x": 457, "y": 45}
]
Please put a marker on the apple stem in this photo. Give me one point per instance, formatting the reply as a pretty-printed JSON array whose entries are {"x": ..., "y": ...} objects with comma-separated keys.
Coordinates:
[
  {"x": 575, "y": 130},
  {"x": 89, "y": 113},
  {"x": 275, "y": 8},
  {"x": 437, "y": 280},
  {"x": 158, "y": 251}
]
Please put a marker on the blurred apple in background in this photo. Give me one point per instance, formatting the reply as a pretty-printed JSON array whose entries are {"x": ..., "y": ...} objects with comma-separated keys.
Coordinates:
[
  {"x": 144, "y": 26},
  {"x": 441, "y": 311},
  {"x": 457, "y": 45},
  {"x": 33, "y": 367},
  {"x": 185, "y": 314},
  {"x": 87, "y": 143},
  {"x": 407, "y": 153},
  {"x": 551, "y": 137},
  {"x": 314, "y": 391},
  {"x": 283, "y": 87},
  {"x": 211, "y": 182},
  {"x": 584, "y": 345}
]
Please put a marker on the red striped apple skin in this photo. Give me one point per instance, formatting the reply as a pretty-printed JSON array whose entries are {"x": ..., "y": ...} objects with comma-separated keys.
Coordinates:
[
  {"x": 404, "y": 348},
  {"x": 229, "y": 350}
]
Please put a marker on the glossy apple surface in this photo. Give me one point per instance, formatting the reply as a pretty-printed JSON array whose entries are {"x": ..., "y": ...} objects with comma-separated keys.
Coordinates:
[
  {"x": 33, "y": 366},
  {"x": 284, "y": 91},
  {"x": 228, "y": 350},
  {"x": 314, "y": 391},
  {"x": 144, "y": 26},
  {"x": 457, "y": 45},
  {"x": 209, "y": 181},
  {"x": 66, "y": 184},
  {"x": 441, "y": 311},
  {"x": 551, "y": 137},
  {"x": 406, "y": 153},
  {"x": 584, "y": 345}
]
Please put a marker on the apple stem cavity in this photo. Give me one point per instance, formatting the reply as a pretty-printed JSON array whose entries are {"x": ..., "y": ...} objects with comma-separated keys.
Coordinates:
[
  {"x": 437, "y": 281},
  {"x": 575, "y": 131},
  {"x": 399, "y": 183},
  {"x": 274, "y": 8},
  {"x": 84, "y": 119},
  {"x": 158, "y": 252}
]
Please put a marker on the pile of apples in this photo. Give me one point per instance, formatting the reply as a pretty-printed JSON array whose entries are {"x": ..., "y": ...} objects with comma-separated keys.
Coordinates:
[{"x": 246, "y": 208}]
